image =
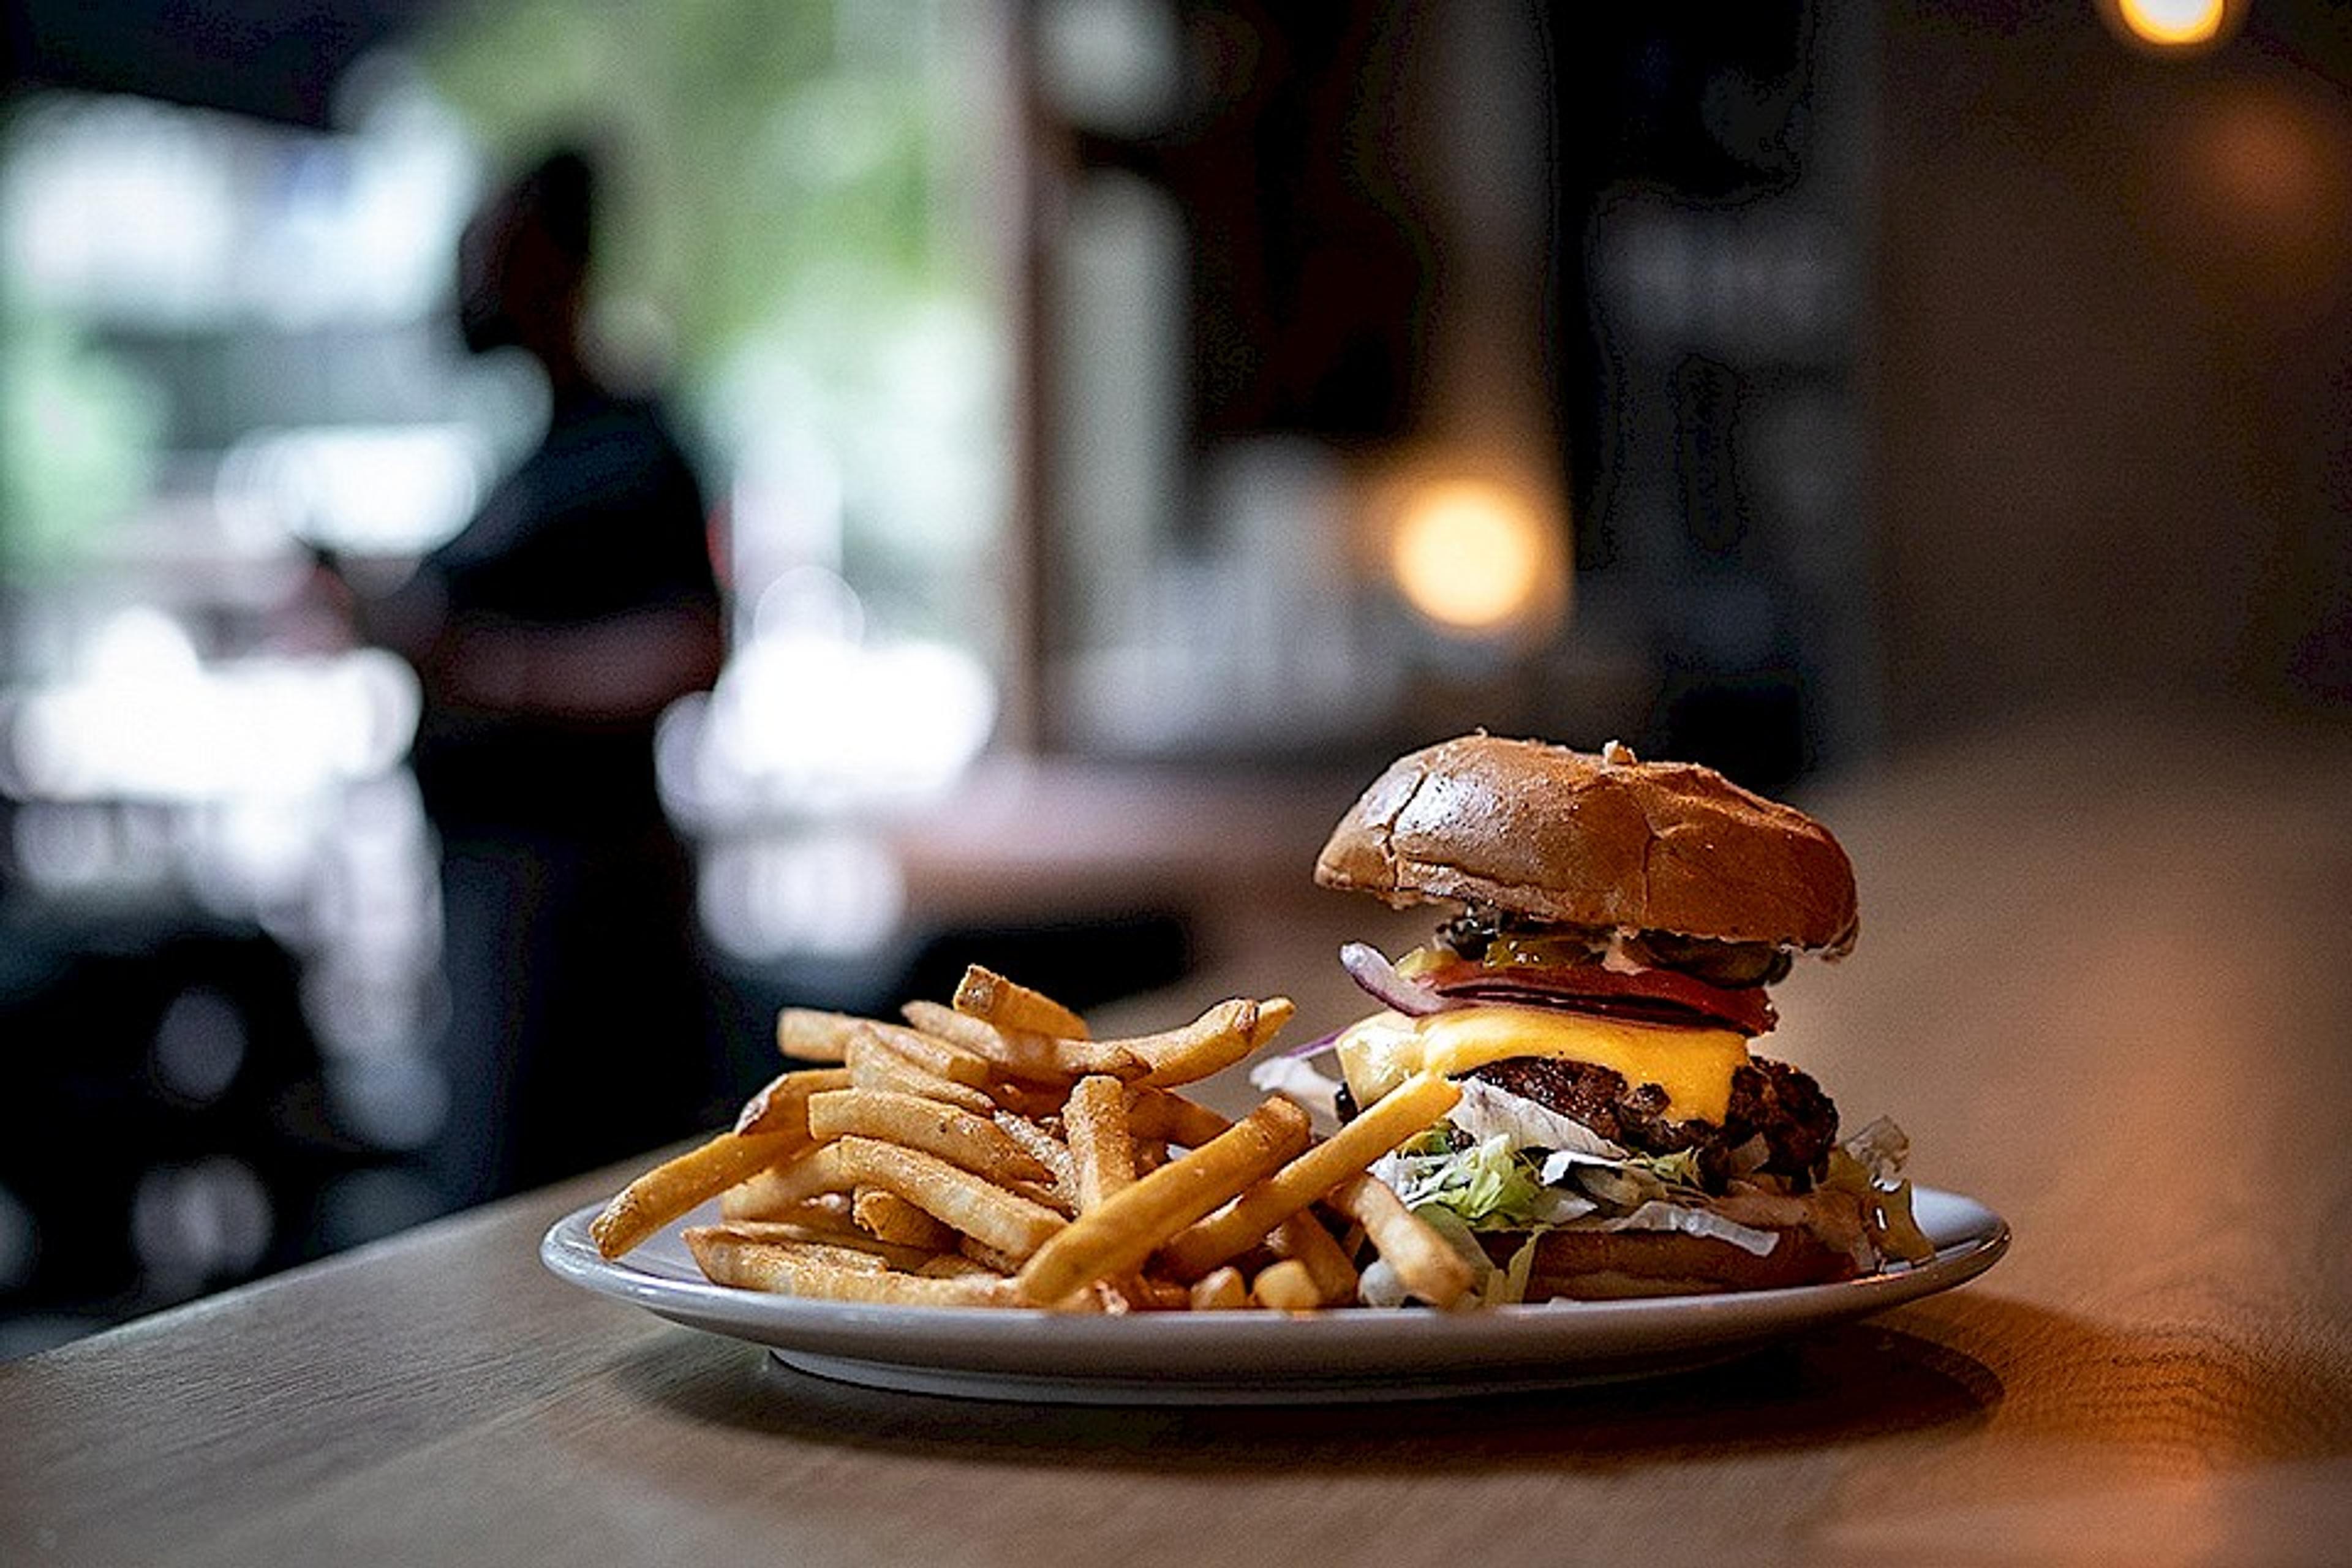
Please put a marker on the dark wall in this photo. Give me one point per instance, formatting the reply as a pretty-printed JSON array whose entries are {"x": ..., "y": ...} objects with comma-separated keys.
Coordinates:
[{"x": 2114, "y": 363}]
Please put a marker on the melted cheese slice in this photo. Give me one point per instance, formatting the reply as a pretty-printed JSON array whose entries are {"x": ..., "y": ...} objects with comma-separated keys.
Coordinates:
[{"x": 1693, "y": 1066}]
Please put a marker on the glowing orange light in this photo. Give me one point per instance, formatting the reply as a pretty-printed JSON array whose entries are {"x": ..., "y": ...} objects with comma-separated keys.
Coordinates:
[
  {"x": 1469, "y": 555},
  {"x": 2174, "y": 24}
]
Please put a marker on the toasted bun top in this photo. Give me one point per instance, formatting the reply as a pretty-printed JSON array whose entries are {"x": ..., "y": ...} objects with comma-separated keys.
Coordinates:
[{"x": 1596, "y": 840}]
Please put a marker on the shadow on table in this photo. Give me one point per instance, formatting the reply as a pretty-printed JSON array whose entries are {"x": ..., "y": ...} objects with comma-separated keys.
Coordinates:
[{"x": 1843, "y": 1384}]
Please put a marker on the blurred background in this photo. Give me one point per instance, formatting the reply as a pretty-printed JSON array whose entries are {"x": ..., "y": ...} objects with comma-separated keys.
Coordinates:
[{"x": 1121, "y": 426}]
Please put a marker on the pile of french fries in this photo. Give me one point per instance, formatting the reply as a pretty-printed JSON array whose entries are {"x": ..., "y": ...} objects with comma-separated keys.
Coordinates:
[{"x": 991, "y": 1152}]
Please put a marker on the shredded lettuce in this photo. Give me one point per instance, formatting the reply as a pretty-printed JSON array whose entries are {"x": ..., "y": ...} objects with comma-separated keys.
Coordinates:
[
  {"x": 1749, "y": 1157},
  {"x": 1488, "y": 1184},
  {"x": 1486, "y": 1112},
  {"x": 1482, "y": 1180},
  {"x": 1679, "y": 1169},
  {"x": 1870, "y": 1165},
  {"x": 1658, "y": 1178},
  {"x": 1893, "y": 1226},
  {"x": 1658, "y": 1215},
  {"x": 1881, "y": 1149},
  {"x": 1501, "y": 1162},
  {"x": 1507, "y": 1285}
]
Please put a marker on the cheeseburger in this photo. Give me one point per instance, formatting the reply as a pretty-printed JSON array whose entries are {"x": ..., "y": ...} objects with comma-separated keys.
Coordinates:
[{"x": 1614, "y": 926}]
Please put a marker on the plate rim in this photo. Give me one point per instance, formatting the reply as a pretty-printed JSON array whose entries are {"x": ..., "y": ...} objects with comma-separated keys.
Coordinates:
[{"x": 1333, "y": 1347}]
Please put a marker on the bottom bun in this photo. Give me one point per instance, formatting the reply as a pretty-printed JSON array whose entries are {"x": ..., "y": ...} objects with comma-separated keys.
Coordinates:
[{"x": 1609, "y": 1265}]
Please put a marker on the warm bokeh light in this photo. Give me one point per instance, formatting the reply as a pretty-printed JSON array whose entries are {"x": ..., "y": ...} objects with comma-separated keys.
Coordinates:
[
  {"x": 2173, "y": 24},
  {"x": 1469, "y": 555},
  {"x": 2262, "y": 159},
  {"x": 2248, "y": 182}
]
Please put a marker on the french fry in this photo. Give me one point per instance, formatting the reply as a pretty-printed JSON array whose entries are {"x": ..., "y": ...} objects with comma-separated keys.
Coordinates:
[
  {"x": 1035, "y": 1101},
  {"x": 1286, "y": 1287},
  {"x": 789, "y": 1268},
  {"x": 955, "y": 1135},
  {"x": 984, "y": 994},
  {"x": 1211, "y": 1043},
  {"x": 752, "y": 1198},
  {"x": 1136, "y": 1221},
  {"x": 1157, "y": 1113},
  {"x": 1024, "y": 1054},
  {"x": 971, "y": 1204},
  {"x": 991, "y": 1152},
  {"x": 810, "y": 1035},
  {"x": 936, "y": 1054},
  {"x": 1143, "y": 1294},
  {"x": 1219, "y": 1289},
  {"x": 854, "y": 1250},
  {"x": 1302, "y": 1240},
  {"x": 1046, "y": 1195},
  {"x": 1427, "y": 1266},
  {"x": 818, "y": 1169},
  {"x": 874, "y": 1065},
  {"x": 1272, "y": 1015},
  {"x": 1103, "y": 1157},
  {"x": 674, "y": 1187},
  {"x": 1396, "y": 1117},
  {"x": 1101, "y": 1153},
  {"x": 822, "y": 1251},
  {"x": 783, "y": 1105},
  {"x": 817, "y": 1035},
  {"x": 1047, "y": 1150},
  {"x": 886, "y": 1216},
  {"x": 988, "y": 1258}
]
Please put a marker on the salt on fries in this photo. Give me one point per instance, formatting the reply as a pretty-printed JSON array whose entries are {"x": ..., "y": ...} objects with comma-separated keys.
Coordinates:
[
  {"x": 794, "y": 1270},
  {"x": 1132, "y": 1222},
  {"x": 669, "y": 1190},
  {"x": 986, "y": 994},
  {"x": 872, "y": 1064},
  {"x": 1102, "y": 1153},
  {"x": 886, "y": 1216},
  {"x": 783, "y": 1105},
  {"x": 953, "y": 1133},
  {"x": 993, "y": 1152}
]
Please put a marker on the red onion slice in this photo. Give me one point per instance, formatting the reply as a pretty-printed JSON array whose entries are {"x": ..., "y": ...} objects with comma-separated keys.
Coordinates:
[
  {"x": 1314, "y": 1047},
  {"x": 1666, "y": 995},
  {"x": 1370, "y": 969}
]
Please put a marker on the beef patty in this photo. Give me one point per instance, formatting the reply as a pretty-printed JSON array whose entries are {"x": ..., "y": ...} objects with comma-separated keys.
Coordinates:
[{"x": 1796, "y": 1120}]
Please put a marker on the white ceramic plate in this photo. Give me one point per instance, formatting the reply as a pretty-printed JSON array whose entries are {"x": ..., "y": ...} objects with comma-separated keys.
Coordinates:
[{"x": 1261, "y": 1357}]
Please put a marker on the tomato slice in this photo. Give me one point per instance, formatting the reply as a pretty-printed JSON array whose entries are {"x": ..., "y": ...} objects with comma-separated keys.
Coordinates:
[{"x": 1655, "y": 995}]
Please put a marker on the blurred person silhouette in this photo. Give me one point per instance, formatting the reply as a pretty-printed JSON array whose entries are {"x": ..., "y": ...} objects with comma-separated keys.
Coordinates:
[{"x": 549, "y": 635}]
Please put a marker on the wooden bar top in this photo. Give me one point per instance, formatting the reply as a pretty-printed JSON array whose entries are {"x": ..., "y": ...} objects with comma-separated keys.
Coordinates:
[{"x": 2104, "y": 981}]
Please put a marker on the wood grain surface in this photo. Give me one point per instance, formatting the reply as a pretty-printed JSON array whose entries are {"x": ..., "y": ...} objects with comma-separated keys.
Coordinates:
[{"x": 2104, "y": 981}]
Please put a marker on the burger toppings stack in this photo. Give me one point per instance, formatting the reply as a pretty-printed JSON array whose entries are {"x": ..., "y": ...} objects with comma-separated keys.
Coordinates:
[{"x": 1614, "y": 924}]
